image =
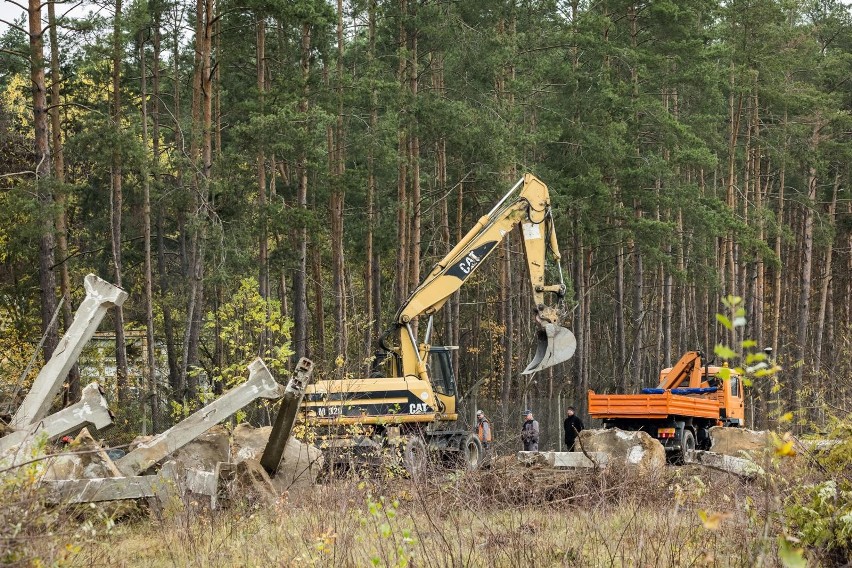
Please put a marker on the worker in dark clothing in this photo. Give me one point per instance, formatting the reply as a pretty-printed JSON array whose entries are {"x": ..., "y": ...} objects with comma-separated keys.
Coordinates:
[
  {"x": 530, "y": 432},
  {"x": 573, "y": 426}
]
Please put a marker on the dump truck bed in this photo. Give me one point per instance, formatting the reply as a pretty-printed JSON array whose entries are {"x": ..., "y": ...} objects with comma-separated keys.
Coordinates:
[{"x": 652, "y": 406}]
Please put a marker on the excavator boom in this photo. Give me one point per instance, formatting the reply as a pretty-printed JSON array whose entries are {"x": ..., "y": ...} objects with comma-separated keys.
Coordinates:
[{"x": 526, "y": 205}]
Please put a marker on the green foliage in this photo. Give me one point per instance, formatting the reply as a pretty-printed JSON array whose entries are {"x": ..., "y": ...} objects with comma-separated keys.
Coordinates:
[
  {"x": 394, "y": 540},
  {"x": 821, "y": 515},
  {"x": 250, "y": 326},
  {"x": 750, "y": 364}
]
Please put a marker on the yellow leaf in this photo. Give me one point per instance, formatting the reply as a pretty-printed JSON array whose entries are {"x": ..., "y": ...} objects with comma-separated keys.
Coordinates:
[
  {"x": 711, "y": 521},
  {"x": 785, "y": 448},
  {"x": 786, "y": 418}
]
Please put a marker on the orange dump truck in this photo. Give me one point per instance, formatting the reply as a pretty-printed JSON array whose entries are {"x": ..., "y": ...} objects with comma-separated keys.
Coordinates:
[{"x": 689, "y": 400}]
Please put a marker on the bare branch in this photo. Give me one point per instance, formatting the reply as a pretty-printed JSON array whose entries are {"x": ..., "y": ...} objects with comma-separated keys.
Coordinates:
[
  {"x": 13, "y": 52},
  {"x": 11, "y": 25},
  {"x": 88, "y": 108},
  {"x": 15, "y": 174},
  {"x": 80, "y": 3},
  {"x": 21, "y": 6}
]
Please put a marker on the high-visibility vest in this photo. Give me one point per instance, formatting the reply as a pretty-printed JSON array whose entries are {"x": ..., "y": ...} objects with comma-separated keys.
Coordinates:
[{"x": 484, "y": 433}]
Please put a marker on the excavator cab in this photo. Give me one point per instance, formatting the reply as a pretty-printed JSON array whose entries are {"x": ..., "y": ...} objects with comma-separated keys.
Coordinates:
[{"x": 439, "y": 363}]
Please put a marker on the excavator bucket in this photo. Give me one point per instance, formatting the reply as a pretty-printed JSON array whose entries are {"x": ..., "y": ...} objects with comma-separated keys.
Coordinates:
[{"x": 555, "y": 345}]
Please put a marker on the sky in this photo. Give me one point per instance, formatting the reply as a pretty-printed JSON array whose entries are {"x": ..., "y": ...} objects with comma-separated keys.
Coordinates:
[{"x": 10, "y": 10}]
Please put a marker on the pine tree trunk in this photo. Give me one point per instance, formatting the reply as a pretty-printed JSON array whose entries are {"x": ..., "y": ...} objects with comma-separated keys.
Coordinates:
[
  {"x": 263, "y": 252},
  {"x": 620, "y": 334},
  {"x": 150, "y": 363},
  {"x": 776, "y": 304},
  {"x": 116, "y": 207},
  {"x": 826, "y": 281},
  {"x": 204, "y": 106},
  {"x": 505, "y": 299},
  {"x": 371, "y": 290},
  {"x": 638, "y": 313},
  {"x": 47, "y": 278},
  {"x": 74, "y": 389},
  {"x": 437, "y": 64},
  {"x": 735, "y": 104},
  {"x": 317, "y": 347},
  {"x": 336, "y": 207},
  {"x": 805, "y": 282},
  {"x": 579, "y": 321},
  {"x": 300, "y": 282},
  {"x": 168, "y": 323},
  {"x": 683, "y": 308},
  {"x": 455, "y": 300},
  {"x": 401, "y": 289},
  {"x": 414, "y": 157}
]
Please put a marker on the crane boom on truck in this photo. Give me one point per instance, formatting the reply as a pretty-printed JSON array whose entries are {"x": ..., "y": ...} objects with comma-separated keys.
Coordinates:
[
  {"x": 412, "y": 393},
  {"x": 689, "y": 400}
]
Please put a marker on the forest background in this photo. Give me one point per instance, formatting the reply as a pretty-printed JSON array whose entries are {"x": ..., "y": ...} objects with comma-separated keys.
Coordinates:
[{"x": 274, "y": 177}]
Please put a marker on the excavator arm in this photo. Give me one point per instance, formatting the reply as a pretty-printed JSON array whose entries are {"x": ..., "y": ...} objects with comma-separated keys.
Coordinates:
[{"x": 527, "y": 204}]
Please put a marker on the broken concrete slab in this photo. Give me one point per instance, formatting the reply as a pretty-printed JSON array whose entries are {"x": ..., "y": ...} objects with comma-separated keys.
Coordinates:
[
  {"x": 564, "y": 460},
  {"x": 246, "y": 480},
  {"x": 631, "y": 450},
  {"x": 817, "y": 446},
  {"x": 84, "y": 458},
  {"x": 92, "y": 409},
  {"x": 579, "y": 459},
  {"x": 740, "y": 441},
  {"x": 722, "y": 462},
  {"x": 254, "y": 484},
  {"x": 300, "y": 465},
  {"x": 260, "y": 384},
  {"x": 204, "y": 452},
  {"x": 100, "y": 296},
  {"x": 200, "y": 482},
  {"x": 163, "y": 486}
]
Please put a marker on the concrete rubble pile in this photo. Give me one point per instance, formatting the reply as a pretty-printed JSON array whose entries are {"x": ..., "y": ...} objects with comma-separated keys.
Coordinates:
[
  {"x": 733, "y": 450},
  {"x": 609, "y": 448},
  {"x": 194, "y": 456},
  {"x": 740, "y": 442},
  {"x": 635, "y": 451}
]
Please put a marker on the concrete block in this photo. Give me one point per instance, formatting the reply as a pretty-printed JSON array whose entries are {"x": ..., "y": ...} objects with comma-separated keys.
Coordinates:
[
  {"x": 579, "y": 459},
  {"x": 636, "y": 451},
  {"x": 162, "y": 486},
  {"x": 731, "y": 464},
  {"x": 100, "y": 296},
  {"x": 286, "y": 416},
  {"x": 563, "y": 460},
  {"x": 260, "y": 384},
  {"x": 92, "y": 409}
]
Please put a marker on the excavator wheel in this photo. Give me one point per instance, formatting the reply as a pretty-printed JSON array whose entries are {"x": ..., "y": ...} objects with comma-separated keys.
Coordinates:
[
  {"x": 471, "y": 453},
  {"x": 415, "y": 456}
]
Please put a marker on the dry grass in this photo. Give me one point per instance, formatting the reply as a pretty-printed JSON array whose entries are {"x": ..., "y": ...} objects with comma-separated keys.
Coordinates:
[{"x": 509, "y": 517}]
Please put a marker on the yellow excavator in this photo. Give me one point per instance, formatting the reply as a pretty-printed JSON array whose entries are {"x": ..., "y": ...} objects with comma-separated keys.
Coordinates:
[{"x": 409, "y": 399}]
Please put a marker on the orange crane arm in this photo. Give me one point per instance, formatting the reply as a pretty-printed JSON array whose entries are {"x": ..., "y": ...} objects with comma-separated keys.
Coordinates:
[{"x": 689, "y": 366}]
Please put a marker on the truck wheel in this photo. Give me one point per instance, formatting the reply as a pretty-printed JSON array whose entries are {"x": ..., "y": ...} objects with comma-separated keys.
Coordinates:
[
  {"x": 471, "y": 452},
  {"x": 687, "y": 445},
  {"x": 414, "y": 456}
]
